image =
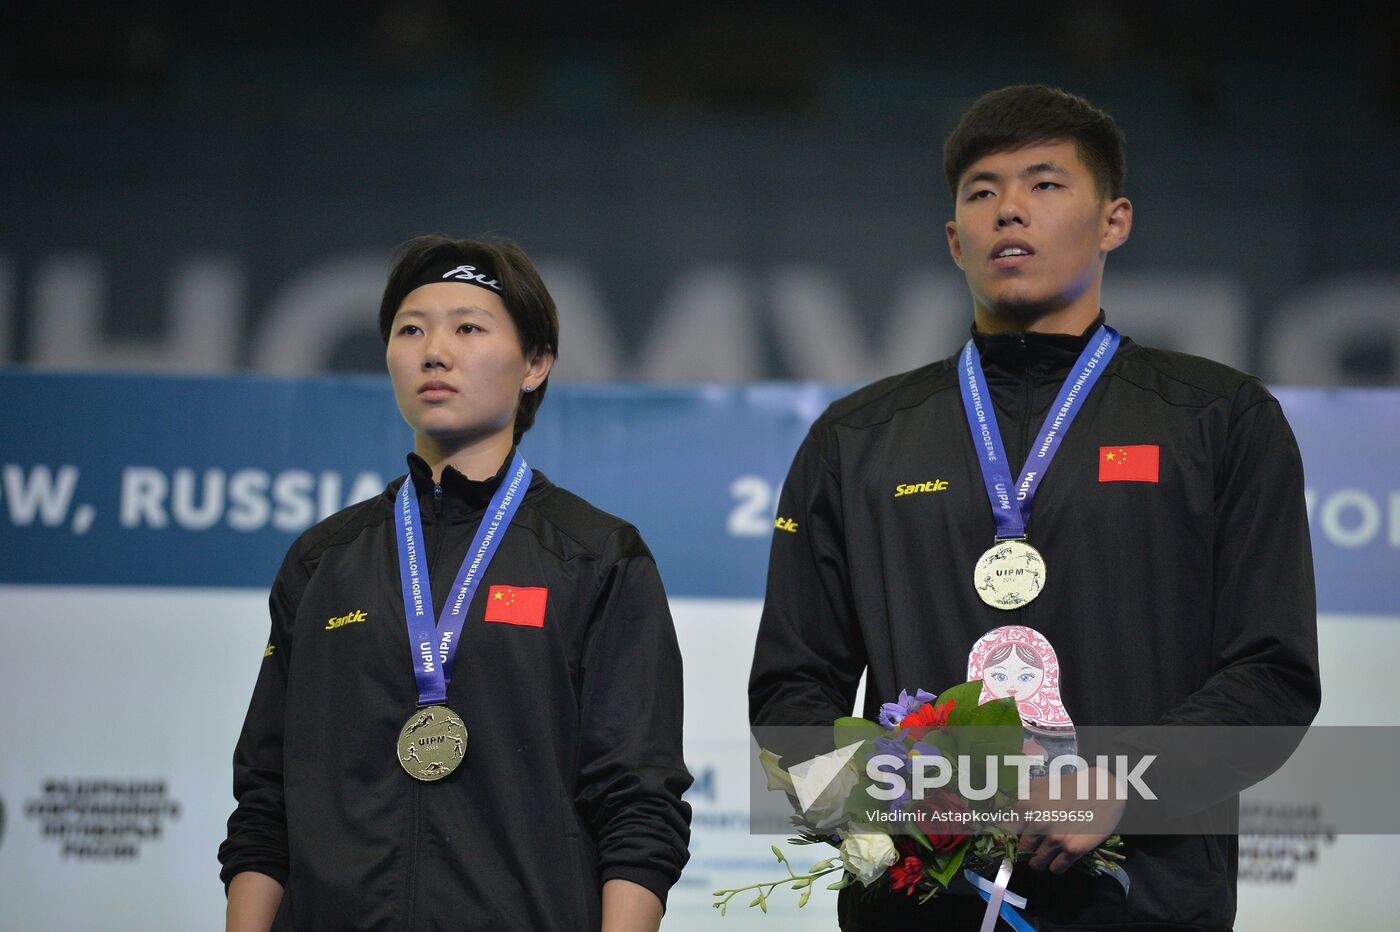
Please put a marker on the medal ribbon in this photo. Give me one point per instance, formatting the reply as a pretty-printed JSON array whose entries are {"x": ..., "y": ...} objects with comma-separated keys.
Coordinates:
[
  {"x": 1012, "y": 516},
  {"x": 434, "y": 648}
]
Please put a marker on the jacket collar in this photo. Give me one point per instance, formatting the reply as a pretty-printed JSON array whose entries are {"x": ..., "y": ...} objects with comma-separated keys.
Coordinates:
[
  {"x": 460, "y": 495},
  {"x": 1028, "y": 352}
]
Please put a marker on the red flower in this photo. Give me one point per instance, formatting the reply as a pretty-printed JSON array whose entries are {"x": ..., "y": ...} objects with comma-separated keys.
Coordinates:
[
  {"x": 944, "y": 841},
  {"x": 942, "y": 832},
  {"x": 907, "y": 874},
  {"x": 926, "y": 718}
]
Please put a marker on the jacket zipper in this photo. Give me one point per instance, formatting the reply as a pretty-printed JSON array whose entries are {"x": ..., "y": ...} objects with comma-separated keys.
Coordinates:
[
  {"x": 415, "y": 841},
  {"x": 1027, "y": 397},
  {"x": 434, "y": 541},
  {"x": 413, "y": 859}
]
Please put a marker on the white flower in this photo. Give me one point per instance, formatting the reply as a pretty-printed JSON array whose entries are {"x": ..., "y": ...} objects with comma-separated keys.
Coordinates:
[
  {"x": 822, "y": 785},
  {"x": 867, "y": 855},
  {"x": 778, "y": 778}
]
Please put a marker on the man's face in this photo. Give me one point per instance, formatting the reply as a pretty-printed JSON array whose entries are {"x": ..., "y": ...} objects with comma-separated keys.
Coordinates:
[
  {"x": 1031, "y": 231},
  {"x": 455, "y": 361}
]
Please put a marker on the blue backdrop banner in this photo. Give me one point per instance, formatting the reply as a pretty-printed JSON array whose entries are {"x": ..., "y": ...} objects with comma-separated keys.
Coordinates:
[{"x": 154, "y": 480}]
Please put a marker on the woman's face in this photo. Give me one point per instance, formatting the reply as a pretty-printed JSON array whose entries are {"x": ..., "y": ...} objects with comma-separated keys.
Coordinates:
[
  {"x": 1012, "y": 677},
  {"x": 455, "y": 361}
]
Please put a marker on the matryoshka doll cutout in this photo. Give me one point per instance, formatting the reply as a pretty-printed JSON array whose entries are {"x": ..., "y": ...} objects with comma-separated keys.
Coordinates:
[{"x": 1019, "y": 663}]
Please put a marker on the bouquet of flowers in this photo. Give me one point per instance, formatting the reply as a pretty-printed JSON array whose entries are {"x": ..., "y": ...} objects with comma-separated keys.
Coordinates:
[{"x": 871, "y": 800}]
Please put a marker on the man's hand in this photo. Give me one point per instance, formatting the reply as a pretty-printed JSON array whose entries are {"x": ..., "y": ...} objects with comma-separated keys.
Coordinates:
[{"x": 1057, "y": 843}]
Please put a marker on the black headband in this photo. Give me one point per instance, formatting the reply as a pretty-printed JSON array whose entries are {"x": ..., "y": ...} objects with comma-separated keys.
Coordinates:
[{"x": 477, "y": 271}]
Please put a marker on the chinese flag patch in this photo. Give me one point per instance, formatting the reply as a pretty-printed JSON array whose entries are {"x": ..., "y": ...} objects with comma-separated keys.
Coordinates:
[
  {"x": 517, "y": 605},
  {"x": 1129, "y": 464}
]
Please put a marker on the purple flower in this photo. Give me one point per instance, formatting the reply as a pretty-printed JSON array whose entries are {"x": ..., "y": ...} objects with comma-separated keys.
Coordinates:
[
  {"x": 891, "y": 744},
  {"x": 898, "y": 747},
  {"x": 892, "y": 713},
  {"x": 926, "y": 749}
]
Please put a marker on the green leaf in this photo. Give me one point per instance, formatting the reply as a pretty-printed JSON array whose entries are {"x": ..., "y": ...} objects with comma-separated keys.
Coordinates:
[
  {"x": 858, "y": 803},
  {"x": 849, "y": 730},
  {"x": 944, "y": 874},
  {"x": 964, "y": 696},
  {"x": 997, "y": 712}
]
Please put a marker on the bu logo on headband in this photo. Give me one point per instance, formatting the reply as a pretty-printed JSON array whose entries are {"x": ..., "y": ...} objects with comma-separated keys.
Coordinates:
[{"x": 468, "y": 273}]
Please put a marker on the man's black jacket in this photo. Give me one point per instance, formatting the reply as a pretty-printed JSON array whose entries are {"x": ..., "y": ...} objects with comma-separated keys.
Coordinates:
[{"x": 1188, "y": 600}]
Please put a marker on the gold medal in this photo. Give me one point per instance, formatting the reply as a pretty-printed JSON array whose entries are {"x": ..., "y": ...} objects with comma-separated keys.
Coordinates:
[
  {"x": 1010, "y": 574},
  {"x": 432, "y": 743}
]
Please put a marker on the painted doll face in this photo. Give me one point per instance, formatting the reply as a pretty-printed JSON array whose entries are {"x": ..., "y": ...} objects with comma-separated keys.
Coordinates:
[{"x": 1012, "y": 677}]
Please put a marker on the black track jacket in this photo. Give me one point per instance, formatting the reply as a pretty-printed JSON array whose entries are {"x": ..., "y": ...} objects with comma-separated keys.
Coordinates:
[
  {"x": 573, "y": 772},
  {"x": 1185, "y": 601}
]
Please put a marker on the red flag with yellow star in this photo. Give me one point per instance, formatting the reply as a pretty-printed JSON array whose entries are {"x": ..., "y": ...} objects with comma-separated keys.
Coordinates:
[
  {"x": 1136, "y": 463},
  {"x": 517, "y": 605}
]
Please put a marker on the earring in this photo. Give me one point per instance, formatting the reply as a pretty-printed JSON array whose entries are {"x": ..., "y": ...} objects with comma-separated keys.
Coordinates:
[{"x": 529, "y": 388}]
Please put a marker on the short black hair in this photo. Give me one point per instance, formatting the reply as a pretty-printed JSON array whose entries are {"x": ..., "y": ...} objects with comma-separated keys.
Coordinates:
[
  {"x": 526, "y": 298},
  {"x": 1027, "y": 114}
]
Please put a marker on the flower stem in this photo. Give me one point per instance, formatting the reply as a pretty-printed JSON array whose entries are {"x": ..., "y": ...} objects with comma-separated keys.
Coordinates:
[{"x": 766, "y": 888}]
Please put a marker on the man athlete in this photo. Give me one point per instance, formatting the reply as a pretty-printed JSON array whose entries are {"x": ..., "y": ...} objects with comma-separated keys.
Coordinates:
[{"x": 1170, "y": 529}]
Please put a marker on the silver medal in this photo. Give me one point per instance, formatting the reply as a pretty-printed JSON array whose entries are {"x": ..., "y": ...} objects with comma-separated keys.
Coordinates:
[{"x": 1010, "y": 574}]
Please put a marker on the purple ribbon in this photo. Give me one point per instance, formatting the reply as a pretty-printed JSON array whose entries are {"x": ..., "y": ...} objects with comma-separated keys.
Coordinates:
[
  {"x": 1012, "y": 514},
  {"x": 434, "y": 648}
]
